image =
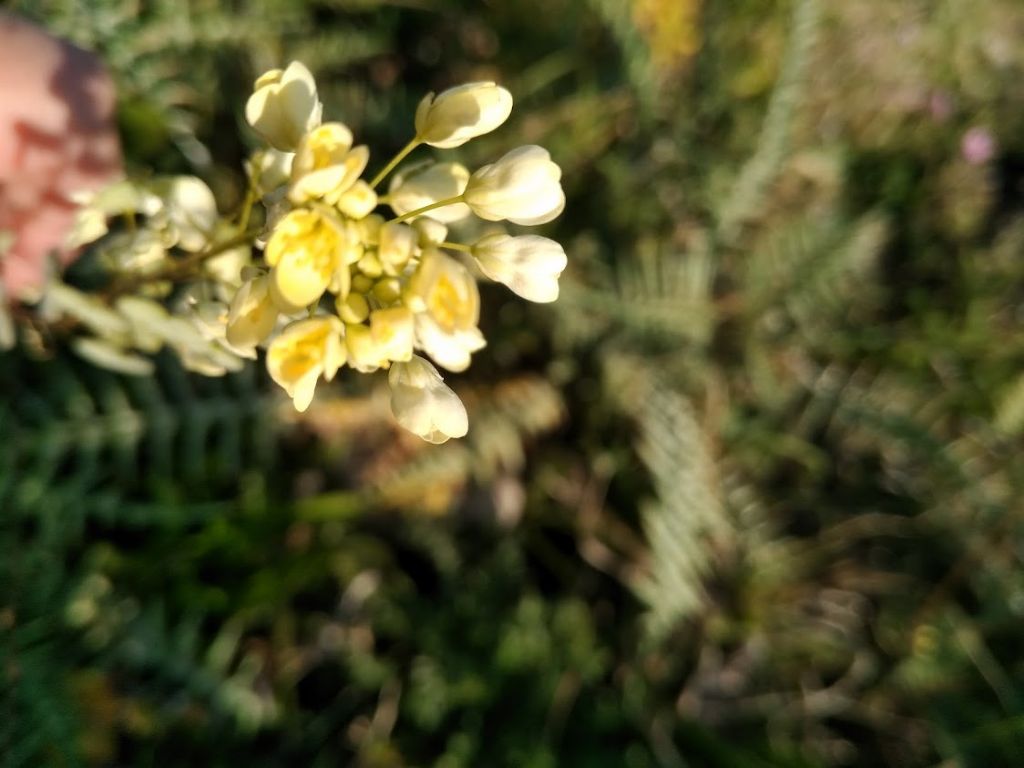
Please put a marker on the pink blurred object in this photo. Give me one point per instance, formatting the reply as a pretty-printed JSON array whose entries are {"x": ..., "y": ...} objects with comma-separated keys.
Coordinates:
[
  {"x": 978, "y": 146},
  {"x": 940, "y": 104},
  {"x": 57, "y": 137}
]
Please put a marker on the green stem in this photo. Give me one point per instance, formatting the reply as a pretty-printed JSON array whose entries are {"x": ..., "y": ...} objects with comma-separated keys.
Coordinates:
[
  {"x": 456, "y": 247},
  {"x": 394, "y": 161},
  {"x": 180, "y": 268},
  {"x": 425, "y": 208},
  {"x": 250, "y": 199}
]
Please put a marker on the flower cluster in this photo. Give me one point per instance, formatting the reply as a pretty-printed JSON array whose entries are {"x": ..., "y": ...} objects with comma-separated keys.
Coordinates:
[{"x": 337, "y": 282}]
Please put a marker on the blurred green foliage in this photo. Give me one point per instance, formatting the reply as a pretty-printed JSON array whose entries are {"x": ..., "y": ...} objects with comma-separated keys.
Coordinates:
[{"x": 749, "y": 494}]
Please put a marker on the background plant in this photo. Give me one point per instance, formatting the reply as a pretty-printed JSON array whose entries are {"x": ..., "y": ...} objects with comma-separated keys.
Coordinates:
[{"x": 748, "y": 494}]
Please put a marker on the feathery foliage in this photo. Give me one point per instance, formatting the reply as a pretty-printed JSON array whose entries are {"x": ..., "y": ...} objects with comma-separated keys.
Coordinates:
[{"x": 746, "y": 495}]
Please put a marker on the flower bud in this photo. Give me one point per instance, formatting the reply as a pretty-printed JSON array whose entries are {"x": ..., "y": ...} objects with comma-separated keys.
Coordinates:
[
  {"x": 423, "y": 404},
  {"x": 252, "y": 315},
  {"x": 353, "y": 309},
  {"x": 430, "y": 232},
  {"x": 461, "y": 113},
  {"x": 392, "y": 331},
  {"x": 284, "y": 106},
  {"x": 361, "y": 283},
  {"x": 397, "y": 242},
  {"x": 388, "y": 290},
  {"x": 363, "y": 352},
  {"x": 359, "y": 201},
  {"x": 370, "y": 265},
  {"x": 528, "y": 265},
  {"x": 522, "y": 187},
  {"x": 426, "y": 184},
  {"x": 369, "y": 228},
  {"x": 341, "y": 280}
]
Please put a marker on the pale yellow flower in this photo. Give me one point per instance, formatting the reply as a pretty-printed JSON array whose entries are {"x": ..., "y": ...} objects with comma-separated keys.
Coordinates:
[
  {"x": 305, "y": 252},
  {"x": 63, "y": 300},
  {"x": 140, "y": 252},
  {"x": 394, "y": 286},
  {"x": 284, "y": 106},
  {"x": 426, "y": 184},
  {"x": 522, "y": 187},
  {"x": 303, "y": 352},
  {"x": 462, "y": 113},
  {"x": 430, "y": 232},
  {"x": 446, "y": 301},
  {"x": 214, "y": 360},
  {"x": 189, "y": 212},
  {"x": 326, "y": 165},
  {"x": 152, "y": 326},
  {"x": 210, "y": 318},
  {"x": 252, "y": 315},
  {"x": 111, "y": 357},
  {"x": 423, "y": 404},
  {"x": 184, "y": 335},
  {"x": 389, "y": 337},
  {"x": 271, "y": 168},
  {"x": 147, "y": 320},
  {"x": 120, "y": 197},
  {"x": 226, "y": 267},
  {"x": 96, "y": 206},
  {"x": 89, "y": 225},
  {"x": 529, "y": 265}
]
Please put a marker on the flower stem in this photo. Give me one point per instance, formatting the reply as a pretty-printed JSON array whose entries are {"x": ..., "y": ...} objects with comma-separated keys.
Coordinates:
[
  {"x": 425, "y": 208},
  {"x": 394, "y": 161},
  {"x": 250, "y": 199},
  {"x": 456, "y": 247},
  {"x": 178, "y": 269}
]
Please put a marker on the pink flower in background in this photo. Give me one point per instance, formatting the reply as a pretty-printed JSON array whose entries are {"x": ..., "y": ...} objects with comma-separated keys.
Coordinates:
[
  {"x": 57, "y": 137},
  {"x": 978, "y": 146},
  {"x": 940, "y": 105}
]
